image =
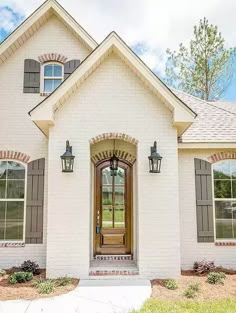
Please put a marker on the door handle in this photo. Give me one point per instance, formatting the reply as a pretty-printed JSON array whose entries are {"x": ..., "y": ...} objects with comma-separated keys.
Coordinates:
[{"x": 97, "y": 229}]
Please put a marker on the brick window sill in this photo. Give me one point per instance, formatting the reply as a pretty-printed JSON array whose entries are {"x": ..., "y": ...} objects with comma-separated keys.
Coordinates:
[
  {"x": 225, "y": 243},
  {"x": 12, "y": 244}
]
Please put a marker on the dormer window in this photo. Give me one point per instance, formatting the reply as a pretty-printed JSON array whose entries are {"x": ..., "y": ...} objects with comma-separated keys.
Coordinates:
[{"x": 52, "y": 76}]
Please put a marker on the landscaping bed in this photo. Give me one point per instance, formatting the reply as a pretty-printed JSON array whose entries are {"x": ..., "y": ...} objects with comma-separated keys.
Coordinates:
[
  {"x": 206, "y": 291},
  {"x": 30, "y": 283}
]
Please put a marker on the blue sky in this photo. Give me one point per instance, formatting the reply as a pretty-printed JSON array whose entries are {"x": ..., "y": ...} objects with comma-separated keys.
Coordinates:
[{"x": 150, "y": 29}]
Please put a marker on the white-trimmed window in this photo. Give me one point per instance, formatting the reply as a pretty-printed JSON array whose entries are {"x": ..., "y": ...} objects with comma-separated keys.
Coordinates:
[
  {"x": 224, "y": 180},
  {"x": 12, "y": 201},
  {"x": 53, "y": 74}
]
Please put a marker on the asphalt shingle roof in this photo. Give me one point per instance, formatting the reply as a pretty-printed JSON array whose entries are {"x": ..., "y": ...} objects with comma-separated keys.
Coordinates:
[{"x": 215, "y": 121}]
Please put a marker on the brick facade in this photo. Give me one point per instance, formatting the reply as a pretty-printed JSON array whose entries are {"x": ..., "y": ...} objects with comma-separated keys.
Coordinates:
[{"x": 17, "y": 131}]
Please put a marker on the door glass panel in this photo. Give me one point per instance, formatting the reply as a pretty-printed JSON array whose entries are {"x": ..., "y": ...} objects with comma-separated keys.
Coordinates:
[
  {"x": 107, "y": 211},
  {"x": 119, "y": 219},
  {"x": 113, "y": 199}
]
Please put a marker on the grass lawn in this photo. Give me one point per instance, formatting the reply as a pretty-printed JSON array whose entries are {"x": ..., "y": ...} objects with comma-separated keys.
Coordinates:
[{"x": 189, "y": 306}]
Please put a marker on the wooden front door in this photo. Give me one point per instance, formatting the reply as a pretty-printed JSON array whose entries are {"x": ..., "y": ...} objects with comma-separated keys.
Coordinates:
[{"x": 113, "y": 195}]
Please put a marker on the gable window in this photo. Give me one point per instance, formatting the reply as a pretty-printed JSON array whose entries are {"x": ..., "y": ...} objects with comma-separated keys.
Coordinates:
[
  {"x": 12, "y": 200},
  {"x": 52, "y": 76},
  {"x": 224, "y": 177}
]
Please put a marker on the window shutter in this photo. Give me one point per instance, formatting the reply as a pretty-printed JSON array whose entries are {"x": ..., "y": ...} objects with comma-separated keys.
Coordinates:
[
  {"x": 204, "y": 201},
  {"x": 34, "y": 203},
  {"x": 70, "y": 66},
  {"x": 31, "y": 76}
]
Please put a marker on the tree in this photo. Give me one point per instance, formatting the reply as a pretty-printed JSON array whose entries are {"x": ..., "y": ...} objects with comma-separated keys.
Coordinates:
[{"x": 205, "y": 68}]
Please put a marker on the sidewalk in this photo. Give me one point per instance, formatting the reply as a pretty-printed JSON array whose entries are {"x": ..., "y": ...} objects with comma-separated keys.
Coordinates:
[{"x": 91, "y": 296}]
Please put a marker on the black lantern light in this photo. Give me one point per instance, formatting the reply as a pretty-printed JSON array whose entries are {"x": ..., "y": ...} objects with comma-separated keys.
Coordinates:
[
  {"x": 67, "y": 159},
  {"x": 154, "y": 160},
  {"x": 114, "y": 163}
]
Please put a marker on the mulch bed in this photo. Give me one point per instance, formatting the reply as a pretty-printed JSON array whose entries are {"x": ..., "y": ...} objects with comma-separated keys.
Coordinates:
[
  {"x": 27, "y": 290},
  {"x": 207, "y": 291}
]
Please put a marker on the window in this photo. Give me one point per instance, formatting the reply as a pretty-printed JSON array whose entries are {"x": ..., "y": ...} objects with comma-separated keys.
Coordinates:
[
  {"x": 52, "y": 76},
  {"x": 12, "y": 200},
  {"x": 224, "y": 176}
]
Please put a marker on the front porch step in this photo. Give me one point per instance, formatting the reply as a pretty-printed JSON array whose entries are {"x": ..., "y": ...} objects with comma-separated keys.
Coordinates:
[
  {"x": 113, "y": 268},
  {"x": 113, "y": 272},
  {"x": 112, "y": 257}
]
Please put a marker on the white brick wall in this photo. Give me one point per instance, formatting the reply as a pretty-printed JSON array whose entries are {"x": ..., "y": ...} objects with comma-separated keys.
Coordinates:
[
  {"x": 113, "y": 99},
  {"x": 17, "y": 132},
  {"x": 191, "y": 250}
]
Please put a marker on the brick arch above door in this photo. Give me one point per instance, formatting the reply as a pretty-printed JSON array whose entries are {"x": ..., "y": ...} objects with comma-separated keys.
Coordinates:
[
  {"x": 120, "y": 136},
  {"x": 103, "y": 155}
]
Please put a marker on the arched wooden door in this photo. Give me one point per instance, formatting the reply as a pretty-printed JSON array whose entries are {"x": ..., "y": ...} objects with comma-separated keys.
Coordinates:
[{"x": 113, "y": 205}]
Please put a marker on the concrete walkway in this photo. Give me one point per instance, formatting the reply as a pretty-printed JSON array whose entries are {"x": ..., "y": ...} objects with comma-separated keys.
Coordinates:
[{"x": 91, "y": 296}]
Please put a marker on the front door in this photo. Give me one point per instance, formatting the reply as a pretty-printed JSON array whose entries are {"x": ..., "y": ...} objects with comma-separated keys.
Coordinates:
[{"x": 113, "y": 196}]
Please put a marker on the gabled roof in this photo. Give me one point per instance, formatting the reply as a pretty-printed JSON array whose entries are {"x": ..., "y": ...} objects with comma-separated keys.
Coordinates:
[
  {"x": 43, "y": 113},
  {"x": 215, "y": 121},
  {"x": 35, "y": 21}
]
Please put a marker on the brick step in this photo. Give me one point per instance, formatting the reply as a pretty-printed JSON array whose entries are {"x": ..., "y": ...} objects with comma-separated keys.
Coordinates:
[
  {"x": 116, "y": 257},
  {"x": 113, "y": 271}
]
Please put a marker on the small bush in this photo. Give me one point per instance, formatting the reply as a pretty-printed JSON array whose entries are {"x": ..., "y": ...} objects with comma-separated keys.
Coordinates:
[
  {"x": 20, "y": 277},
  {"x": 192, "y": 290},
  {"x": 189, "y": 293},
  {"x": 2, "y": 272},
  {"x": 45, "y": 286},
  {"x": 216, "y": 278},
  {"x": 62, "y": 281},
  {"x": 30, "y": 266},
  {"x": 171, "y": 284},
  {"x": 203, "y": 267},
  {"x": 195, "y": 287}
]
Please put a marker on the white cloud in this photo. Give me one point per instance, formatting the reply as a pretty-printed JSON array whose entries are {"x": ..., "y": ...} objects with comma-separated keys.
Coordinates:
[{"x": 160, "y": 24}]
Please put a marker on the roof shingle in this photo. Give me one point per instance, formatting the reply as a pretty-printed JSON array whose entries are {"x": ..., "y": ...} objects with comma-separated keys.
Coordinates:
[{"x": 215, "y": 121}]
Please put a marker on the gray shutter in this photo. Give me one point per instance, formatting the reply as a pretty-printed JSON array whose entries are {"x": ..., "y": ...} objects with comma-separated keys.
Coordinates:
[
  {"x": 34, "y": 203},
  {"x": 204, "y": 201},
  {"x": 31, "y": 76},
  {"x": 70, "y": 66}
]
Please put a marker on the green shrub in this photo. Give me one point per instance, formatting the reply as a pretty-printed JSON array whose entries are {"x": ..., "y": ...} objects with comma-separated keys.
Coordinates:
[
  {"x": 62, "y": 281},
  {"x": 45, "y": 286},
  {"x": 189, "y": 293},
  {"x": 171, "y": 284},
  {"x": 192, "y": 290},
  {"x": 195, "y": 287},
  {"x": 2, "y": 272},
  {"x": 30, "y": 266},
  {"x": 216, "y": 278},
  {"x": 20, "y": 277}
]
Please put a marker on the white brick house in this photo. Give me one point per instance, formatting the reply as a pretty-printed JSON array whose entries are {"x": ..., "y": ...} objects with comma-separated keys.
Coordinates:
[{"x": 108, "y": 102}]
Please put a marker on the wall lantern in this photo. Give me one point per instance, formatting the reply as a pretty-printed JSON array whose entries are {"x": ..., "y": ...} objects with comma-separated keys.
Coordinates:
[
  {"x": 114, "y": 165},
  {"x": 114, "y": 162},
  {"x": 154, "y": 160},
  {"x": 67, "y": 159}
]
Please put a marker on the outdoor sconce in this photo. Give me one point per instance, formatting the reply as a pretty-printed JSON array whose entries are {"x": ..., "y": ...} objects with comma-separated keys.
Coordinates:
[
  {"x": 67, "y": 159},
  {"x": 114, "y": 165},
  {"x": 154, "y": 160}
]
